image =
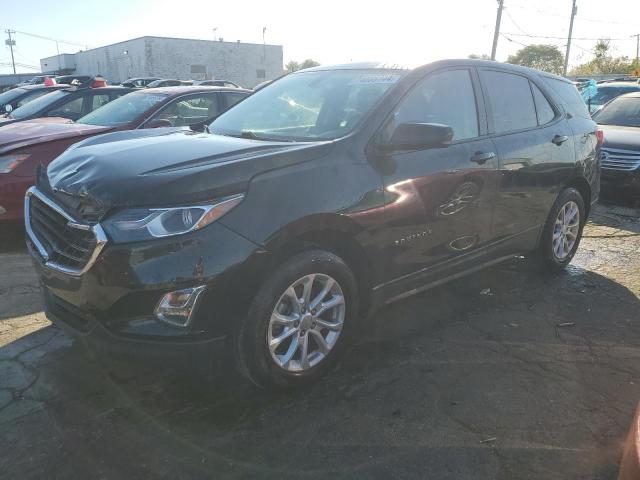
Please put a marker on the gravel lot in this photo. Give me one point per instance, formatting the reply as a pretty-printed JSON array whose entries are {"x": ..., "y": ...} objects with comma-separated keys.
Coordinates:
[{"x": 505, "y": 374}]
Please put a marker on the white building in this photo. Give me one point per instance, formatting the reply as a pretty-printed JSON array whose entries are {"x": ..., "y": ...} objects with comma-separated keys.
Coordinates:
[{"x": 246, "y": 64}]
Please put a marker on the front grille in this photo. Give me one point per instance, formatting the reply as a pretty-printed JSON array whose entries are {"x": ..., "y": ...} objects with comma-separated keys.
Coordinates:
[
  {"x": 63, "y": 243},
  {"x": 613, "y": 159}
]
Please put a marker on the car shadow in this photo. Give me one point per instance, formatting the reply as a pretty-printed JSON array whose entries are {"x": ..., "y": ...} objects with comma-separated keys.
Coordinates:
[{"x": 453, "y": 381}]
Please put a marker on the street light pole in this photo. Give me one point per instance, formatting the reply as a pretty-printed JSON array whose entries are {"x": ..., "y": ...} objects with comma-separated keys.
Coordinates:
[
  {"x": 496, "y": 32},
  {"x": 574, "y": 10}
]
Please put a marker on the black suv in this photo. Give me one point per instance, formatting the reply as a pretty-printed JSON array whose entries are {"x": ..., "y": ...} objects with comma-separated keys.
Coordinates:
[
  {"x": 620, "y": 155},
  {"x": 326, "y": 194}
]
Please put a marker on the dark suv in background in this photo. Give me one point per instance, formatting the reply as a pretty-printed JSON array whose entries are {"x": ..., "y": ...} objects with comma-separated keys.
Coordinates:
[
  {"x": 270, "y": 237},
  {"x": 620, "y": 155}
]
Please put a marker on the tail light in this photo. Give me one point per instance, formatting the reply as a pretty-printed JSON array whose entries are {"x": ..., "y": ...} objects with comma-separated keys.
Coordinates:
[
  {"x": 49, "y": 82},
  {"x": 98, "y": 82},
  {"x": 599, "y": 136}
]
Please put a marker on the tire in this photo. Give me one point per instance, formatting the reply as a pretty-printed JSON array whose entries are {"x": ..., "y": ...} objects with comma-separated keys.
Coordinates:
[
  {"x": 556, "y": 259},
  {"x": 279, "y": 368}
]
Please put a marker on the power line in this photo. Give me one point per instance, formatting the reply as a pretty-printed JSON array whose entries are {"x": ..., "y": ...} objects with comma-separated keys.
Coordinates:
[
  {"x": 562, "y": 38},
  {"x": 57, "y": 40},
  {"x": 514, "y": 22}
]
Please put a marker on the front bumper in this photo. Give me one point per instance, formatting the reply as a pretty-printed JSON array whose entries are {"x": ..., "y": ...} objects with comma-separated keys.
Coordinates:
[
  {"x": 618, "y": 182},
  {"x": 207, "y": 353},
  {"x": 111, "y": 304},
  {"x": 12, "y": 191}
]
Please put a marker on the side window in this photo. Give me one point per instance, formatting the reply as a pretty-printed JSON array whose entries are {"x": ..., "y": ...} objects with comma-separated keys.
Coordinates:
[
  {"x": 98, "y": 100},
  {"x": 232, "y": 98},
  {"x": 570, "y": 96},
  {"x": 71, "y": 109},
  {"x": 445, "y": 97},
  {"x": 188, "y": 111},
  {"x": 511, "y": 101},
  {"x": 32, "y": 96},
  {"x": 543, "y": 108}
]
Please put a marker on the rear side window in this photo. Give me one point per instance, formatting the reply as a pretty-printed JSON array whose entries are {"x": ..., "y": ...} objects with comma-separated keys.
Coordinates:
[
  {"x": 511, "y": 101},
  {"x": 569, "y": 96},
  {"x": 543, "y": 108},
  {"x": 232, "y": 98}
]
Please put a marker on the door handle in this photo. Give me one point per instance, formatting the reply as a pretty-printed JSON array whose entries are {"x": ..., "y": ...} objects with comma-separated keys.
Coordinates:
[
  {"x": 559, "y": 139},
  {"x": 482, "y": 157}
]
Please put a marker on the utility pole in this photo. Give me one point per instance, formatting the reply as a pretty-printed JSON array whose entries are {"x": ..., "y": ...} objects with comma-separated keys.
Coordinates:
[
  {"x": 574, "y": 10},
  {"x": 11, "y": 43},
  {"x": 637, "y": 69},
  {"x": 496, "y": 32}
]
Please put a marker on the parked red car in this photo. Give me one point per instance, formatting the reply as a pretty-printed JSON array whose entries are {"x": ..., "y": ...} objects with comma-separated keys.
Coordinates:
[{"x": 25, "y": 145}]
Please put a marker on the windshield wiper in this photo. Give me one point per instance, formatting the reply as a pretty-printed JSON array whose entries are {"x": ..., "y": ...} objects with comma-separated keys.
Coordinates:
[{"x": 251, "y": 135}]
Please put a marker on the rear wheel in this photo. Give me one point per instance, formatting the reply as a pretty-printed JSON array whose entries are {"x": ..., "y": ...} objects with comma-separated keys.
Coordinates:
[
  {"x": 296, "y": 326},
  {"x": 563, "y": 230}
]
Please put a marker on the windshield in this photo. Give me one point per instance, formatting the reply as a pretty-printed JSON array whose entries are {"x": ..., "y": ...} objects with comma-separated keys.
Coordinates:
[
  {"x": 38, "y": 104},
  {"x": 123, "y": 110},
  {"x": 319, "y": 105},
  {"x": 623, "y": 111},
  {"x": 11, "y": 95}
]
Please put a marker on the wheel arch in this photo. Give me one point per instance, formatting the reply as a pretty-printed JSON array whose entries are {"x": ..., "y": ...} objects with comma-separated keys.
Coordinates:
[
  {"x": 334, "y": 233},
  {"x": 583, "y": 186}
]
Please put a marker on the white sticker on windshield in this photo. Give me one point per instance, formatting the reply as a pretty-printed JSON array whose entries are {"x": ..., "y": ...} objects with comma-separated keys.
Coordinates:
[{"x": 375, "y": 79}]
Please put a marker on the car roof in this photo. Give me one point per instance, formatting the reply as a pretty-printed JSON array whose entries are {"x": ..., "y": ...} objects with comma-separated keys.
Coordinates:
[
  {"x": 182, "y": 89},
  {"x": 438, "y": 63},
  {"x": 628, "y": 85},
  {"x": 57, "y": 86},
  {"x": 635, "y": 94}
]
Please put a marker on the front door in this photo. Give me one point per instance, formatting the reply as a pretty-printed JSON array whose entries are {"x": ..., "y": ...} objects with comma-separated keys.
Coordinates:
[{"x": 440, "y": 200}]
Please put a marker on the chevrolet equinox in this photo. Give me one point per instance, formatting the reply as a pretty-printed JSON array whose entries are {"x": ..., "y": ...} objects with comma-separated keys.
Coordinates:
[{"x": 271, "y": 234}]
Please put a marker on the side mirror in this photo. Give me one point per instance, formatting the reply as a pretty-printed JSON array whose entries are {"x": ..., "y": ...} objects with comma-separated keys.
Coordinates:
[
  {"x": 8, "y": 108},
  {"x": 416, "y": 135},
  {"x": 159, "y": 123}
]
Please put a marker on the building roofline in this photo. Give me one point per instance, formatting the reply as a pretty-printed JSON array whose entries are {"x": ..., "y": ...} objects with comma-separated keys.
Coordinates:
[{"x": 167, "y": 38}]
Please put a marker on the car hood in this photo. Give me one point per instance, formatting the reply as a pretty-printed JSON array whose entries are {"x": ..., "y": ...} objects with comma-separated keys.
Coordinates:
[
  {"x": 30, "y": 132},
  {"x": 166, "y": 167},
  {"x": 623, "y": 138}
]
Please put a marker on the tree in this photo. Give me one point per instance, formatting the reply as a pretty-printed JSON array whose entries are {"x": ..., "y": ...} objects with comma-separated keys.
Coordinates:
[
  {"x": 604, "y": 63},
  {"x": 483, "y": 56},
  {"x": 293, "y": 66},
  {"x": 542, "y": 57}
]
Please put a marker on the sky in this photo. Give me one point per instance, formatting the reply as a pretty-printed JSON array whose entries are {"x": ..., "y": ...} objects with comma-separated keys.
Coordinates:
[{"x": 403, "y": 32}]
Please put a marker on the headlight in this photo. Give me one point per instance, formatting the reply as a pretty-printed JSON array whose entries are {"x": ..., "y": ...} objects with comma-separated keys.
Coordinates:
[
  {"x": 139, "y": 224},
  {"x": 8, "y": 163}
]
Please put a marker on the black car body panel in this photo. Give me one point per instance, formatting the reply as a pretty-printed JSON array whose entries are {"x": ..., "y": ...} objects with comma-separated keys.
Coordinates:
[
  {"x": 119, "y": 170},
  {"x": 403, "y": 220}
]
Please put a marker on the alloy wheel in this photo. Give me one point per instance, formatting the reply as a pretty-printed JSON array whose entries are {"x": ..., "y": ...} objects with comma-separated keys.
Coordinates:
[
  {"x": 306, "y": 322},
  {"x": 565, "y": 230}
]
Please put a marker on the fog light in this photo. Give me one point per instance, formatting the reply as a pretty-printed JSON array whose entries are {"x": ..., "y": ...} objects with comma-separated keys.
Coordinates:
[{"x": 176, "y": 308}]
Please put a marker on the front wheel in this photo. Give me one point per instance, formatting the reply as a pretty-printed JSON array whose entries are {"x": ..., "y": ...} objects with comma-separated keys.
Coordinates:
[
  {"x": 296, "y": 326},
  {"x": 563, "y": 230}
]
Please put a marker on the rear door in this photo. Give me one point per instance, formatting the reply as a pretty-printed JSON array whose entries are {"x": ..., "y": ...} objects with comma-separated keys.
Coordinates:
[
  {"x": 533, "y": 141},
  {"x": 440, "y": 200}
]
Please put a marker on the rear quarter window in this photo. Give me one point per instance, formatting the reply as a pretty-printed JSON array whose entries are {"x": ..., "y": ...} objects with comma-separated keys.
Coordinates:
[{"x": 569, "y": 96}]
